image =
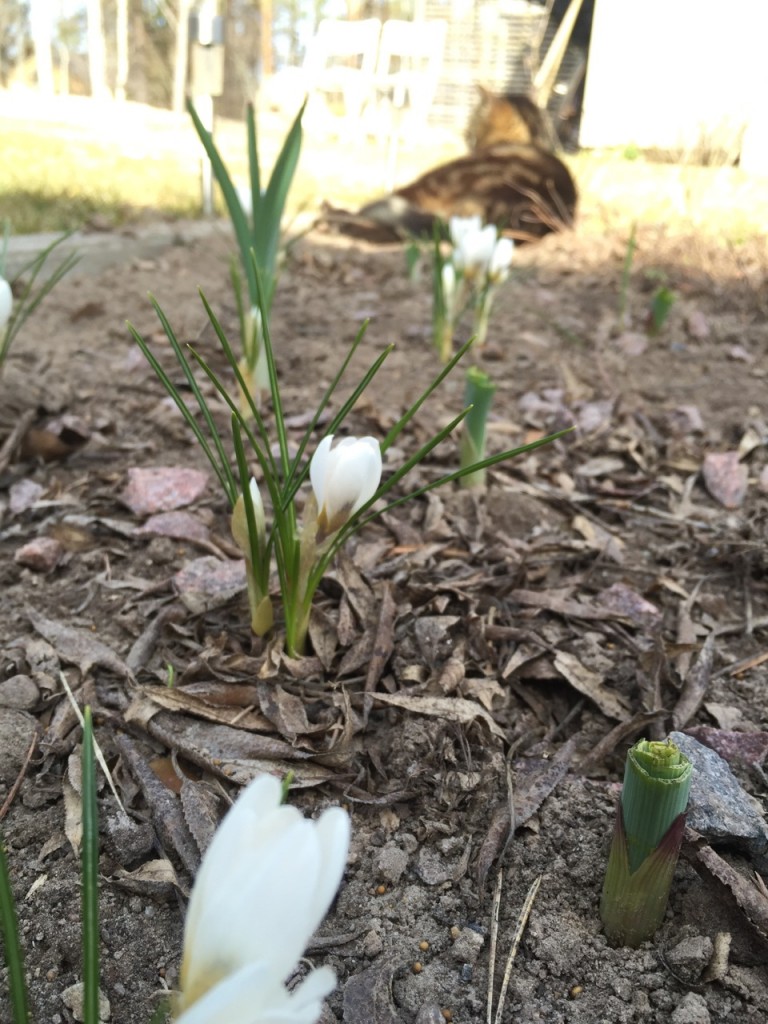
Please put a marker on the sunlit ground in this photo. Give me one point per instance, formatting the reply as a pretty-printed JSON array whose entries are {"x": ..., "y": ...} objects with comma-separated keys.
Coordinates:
[{"x": 70, "y": 162}]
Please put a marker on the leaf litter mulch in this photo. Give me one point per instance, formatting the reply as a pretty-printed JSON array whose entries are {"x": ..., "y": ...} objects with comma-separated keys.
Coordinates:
[{"x": 480, "y": 660}]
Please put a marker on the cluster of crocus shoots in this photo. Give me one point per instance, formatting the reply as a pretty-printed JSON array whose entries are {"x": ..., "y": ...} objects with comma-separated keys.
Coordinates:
[
  {"x": 345, "y": 478},
  {"x": 650, "y": 820},
  {"x": 265, "y": 884},
  {"x": 479, "y": 260}
]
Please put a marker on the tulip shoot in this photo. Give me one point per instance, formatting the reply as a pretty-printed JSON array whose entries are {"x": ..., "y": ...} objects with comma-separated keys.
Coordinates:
[
  {"x": 650, "y": 820},
  {"x": 478, "y": 396},
  {"x": 256, "y": 219}
]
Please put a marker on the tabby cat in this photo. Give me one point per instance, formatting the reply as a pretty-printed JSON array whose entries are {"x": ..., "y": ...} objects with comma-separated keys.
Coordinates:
[
  {"x": 509, "y": 118},
  {"x": 511, "y": 178}
]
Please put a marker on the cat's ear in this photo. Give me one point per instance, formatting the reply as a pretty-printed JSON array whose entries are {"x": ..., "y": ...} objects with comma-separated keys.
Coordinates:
[{"x": 485, "y": 94}]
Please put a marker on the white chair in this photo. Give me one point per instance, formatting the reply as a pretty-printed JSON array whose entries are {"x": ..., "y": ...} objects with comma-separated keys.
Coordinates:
[
  {"x": 407, "y": 74},
  {"x": 340, "y": 63},
  {"x": 408, "y": 65}
]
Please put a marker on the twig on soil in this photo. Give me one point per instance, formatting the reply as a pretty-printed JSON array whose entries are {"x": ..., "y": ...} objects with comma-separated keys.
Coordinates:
[
  {"x": 19, "y": 778},
  {"x": 522, "y": 921},
  {"x": 494, "y": 940},
  {"x": 96, "y": 748},
  {"x": 15, "y": 438}
]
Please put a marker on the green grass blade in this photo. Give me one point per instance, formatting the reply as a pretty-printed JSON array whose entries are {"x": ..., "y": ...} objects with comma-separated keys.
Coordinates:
[
  {"x": 219, "y": 461},
  {"x": 411, "y": 412},
  {"x": 492, "y": 460},
  {"x": 14, "y": 959},
  {"x": 90, "y": 869},
  {"x": 224, "y": 394}
]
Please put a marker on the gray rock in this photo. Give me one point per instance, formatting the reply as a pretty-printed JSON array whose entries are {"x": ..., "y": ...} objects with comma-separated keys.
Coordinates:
[
  {"x": 691, "y": 956},
  {"x": 16, "y": 731},
  {"x": 719, "y": 808},
  {"x": 467, "y": 946},
  {"x": 391, "y": 863},
  {"x": 19, "y": 692},
  {"x": 692, "y": 1009}
]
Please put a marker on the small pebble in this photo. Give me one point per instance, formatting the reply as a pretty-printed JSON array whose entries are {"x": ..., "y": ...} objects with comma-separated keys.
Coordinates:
[
  {"x": 466, "y": 949},
  {"x": 40, "y": 555},
  {"x": 19, "y": 692}
]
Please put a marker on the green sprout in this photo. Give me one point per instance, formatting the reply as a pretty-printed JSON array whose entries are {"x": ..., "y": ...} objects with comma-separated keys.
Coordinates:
[
  {"x": 256, "y": 220},
  {"x": 20, "y": 297},
  {"x": 478, "y": 397},
  {"x": 650, "y": 820},
  {"x": 661, "y": 305}
]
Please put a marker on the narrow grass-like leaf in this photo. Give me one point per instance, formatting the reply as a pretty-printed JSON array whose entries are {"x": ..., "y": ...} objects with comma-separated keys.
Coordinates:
[
  {"x": 90, "y": 872},
  {"x": 492, "y": 460},
  {"x": 27, "y": 302},
  {"x": 17, "y": 988},
  {"x": 408, "y": 415},
  {"x": 219, "y": 462}
]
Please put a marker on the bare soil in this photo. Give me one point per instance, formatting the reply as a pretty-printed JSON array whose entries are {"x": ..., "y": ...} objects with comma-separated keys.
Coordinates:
[{"x": 472, "y": 648}]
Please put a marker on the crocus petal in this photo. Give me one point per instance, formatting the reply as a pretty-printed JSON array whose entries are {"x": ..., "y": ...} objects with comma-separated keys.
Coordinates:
[
  {"x": 6, "y": 302},
  {"x": 264, "y": 886},
  {"x": 501, "y": 259},
  {"x": 344, "y": 478},
  {"x": 250, "y": 996},
  {"x": 460, "y": 227},
  {"x": 318, "y": 469}
]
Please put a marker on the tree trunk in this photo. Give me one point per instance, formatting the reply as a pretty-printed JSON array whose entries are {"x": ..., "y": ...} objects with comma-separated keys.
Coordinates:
[
  {"x": 40, "y": 18},
  {"x": 181, "y": 56},
  {"x": 97, "y": 51},
  {"x": 121, "y": 77}
]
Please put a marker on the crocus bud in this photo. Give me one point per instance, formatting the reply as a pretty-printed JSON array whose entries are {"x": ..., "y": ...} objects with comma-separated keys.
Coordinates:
[
  {"x": 344, "y": 479},
  {"x": 265, "y": 884},
  {"x": 448, "y": 282},
  {"x": 239, "y": 521},
  {"x": 501, "y": 260},
  {"x": 6, "y": 302}
]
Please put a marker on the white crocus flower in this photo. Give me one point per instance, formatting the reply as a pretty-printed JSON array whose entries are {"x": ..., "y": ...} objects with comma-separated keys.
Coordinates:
[
  {"x": 472, "y": 255},
  {"x": 460, "y": 227},
  {"x": 6, "y": 302},
  {"x": 344, "y": 479},
  {"x": 501, "y": 260},
  {"x": 265, "y": 884}
]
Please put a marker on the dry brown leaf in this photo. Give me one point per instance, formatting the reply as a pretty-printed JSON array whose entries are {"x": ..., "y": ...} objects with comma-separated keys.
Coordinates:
[
  {"x": 591, "y": 684},
  {"x": 695, "y": 686},
  {"x": 78, "y": 647},
  {"x": 452, "y": 709},
  {"x": 180, "y": 699}
]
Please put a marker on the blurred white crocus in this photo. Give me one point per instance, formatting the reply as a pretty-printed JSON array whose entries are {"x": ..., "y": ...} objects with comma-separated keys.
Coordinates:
[
  {"x": 473, "y": 246},
  {"x": 448, "y": 283},
  {"x": 343, "y": 479},
  {"x": 501, "y": 260},
  {"x": 265, "y": 884},
  {"x": 6, "y": 303}
]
